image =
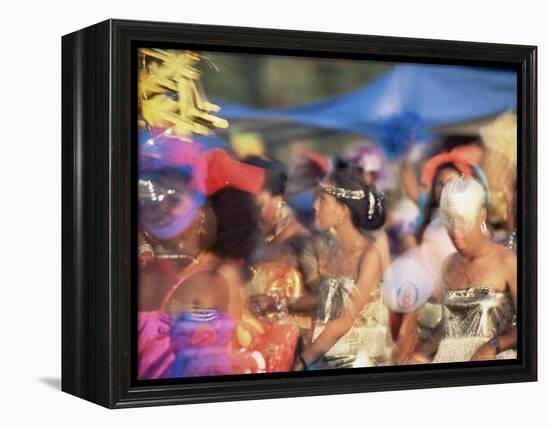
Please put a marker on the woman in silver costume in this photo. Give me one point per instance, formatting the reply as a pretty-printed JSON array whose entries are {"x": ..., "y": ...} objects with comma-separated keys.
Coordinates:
[
  {"x": 352, "y": 323},
  {"x": 480, "y": 285}
]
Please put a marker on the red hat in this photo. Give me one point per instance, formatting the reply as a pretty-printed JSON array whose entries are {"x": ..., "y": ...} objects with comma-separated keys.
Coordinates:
[
  {"x": 321, "y": 161},
  {"x": 211, "y": 170},
  {"x": 462, "y": 157},
  {"x": 224, "y": 171}
]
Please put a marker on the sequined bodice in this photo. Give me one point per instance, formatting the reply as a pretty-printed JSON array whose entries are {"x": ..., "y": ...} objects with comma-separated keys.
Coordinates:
[
  {"x": 335, "y": 293},
  {"x": 477, "y": 312},
  {"x": 368, "y": 342}
]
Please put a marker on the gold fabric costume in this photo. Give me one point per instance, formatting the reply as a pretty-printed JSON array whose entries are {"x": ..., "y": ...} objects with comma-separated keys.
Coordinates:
[
  {"x": 279, "y": 281},
  {"x": 368, "y": 343},
  {"x": 471, "y": 317}
]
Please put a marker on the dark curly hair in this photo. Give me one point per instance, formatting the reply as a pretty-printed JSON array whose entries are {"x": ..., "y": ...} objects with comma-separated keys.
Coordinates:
[
  {"x": 238, "y": 228},
  {"x": 349, "y": 176}
]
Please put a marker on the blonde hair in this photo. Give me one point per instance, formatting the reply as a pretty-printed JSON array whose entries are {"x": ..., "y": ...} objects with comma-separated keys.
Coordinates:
[
  {"x": 500, "y": 163},
  {"x": 463, "y": 197}
]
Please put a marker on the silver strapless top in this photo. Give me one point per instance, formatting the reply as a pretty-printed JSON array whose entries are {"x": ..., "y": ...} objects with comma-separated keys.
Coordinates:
[
  {"x": 368, "y": 342},
  {"x": 479, "y": 311},
  {"x": 471, "y": 317}
]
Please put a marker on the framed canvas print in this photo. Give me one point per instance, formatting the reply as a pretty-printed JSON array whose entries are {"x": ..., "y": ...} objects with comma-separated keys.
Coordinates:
[{"x": 253, "y": 213}]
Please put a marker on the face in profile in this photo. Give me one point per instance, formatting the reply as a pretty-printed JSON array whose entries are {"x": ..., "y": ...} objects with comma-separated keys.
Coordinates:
[
  {"x": 173, "y": 213},
  {"x": 328, "y": 211},
  {"x": 268, "y": 207}
]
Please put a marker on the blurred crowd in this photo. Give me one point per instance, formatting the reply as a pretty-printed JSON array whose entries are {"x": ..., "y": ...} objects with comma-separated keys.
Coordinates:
[
  {"x": 247, "y": 264},
  {"x": 337, "y": 273}
]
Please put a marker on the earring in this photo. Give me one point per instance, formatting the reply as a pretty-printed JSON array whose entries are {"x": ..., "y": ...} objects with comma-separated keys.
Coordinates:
[
  {"x": 282, "y": 219},
  {"x": 484, "y": 229},
  {"x": 201, "y": 225},
  {"x": 282, "y": 212}
]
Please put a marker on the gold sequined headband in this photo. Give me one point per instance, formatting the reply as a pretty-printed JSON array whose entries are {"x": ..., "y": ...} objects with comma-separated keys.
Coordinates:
[
  {"x": 341, "y": 193},
  {"x": 374, "y": 203}
]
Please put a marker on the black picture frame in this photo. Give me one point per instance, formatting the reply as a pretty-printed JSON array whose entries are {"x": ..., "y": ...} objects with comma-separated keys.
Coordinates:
[{"x": 99, "y": 206}]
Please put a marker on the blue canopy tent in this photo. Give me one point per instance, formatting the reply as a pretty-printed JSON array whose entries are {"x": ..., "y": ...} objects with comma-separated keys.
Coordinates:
[{"x": 403, "y": 105}]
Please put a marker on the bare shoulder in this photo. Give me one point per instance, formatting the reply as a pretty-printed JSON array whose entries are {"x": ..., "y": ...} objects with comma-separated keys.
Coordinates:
[
  {"x": 506, "y": 256},
  {"x": 370, "y": 269},
  {"x": 510, "y": 257},
  {"x": 229, "y": 274},
  {"x": 201, "y": 279},
  {"x": 510, "y": 261},
  {"x": 370, "y": 258},
  {"x": 205, "y": 276},
  {"x": 381, "y": 237}
]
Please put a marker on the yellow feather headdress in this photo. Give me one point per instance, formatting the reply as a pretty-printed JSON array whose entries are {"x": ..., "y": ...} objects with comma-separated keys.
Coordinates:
[{"x": 170, "y": 94}]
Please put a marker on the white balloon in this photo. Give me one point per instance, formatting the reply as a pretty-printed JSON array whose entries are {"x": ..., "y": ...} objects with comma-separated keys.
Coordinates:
[{"x": 407, "y": 284}]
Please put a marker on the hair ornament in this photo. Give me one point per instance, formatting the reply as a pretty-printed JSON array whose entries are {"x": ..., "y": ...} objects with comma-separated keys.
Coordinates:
[
  {"x": 341, "y": 193},
  {"x": 372, "y": 205}
]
